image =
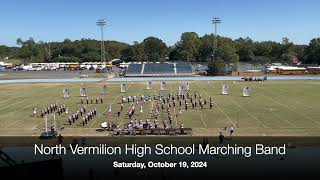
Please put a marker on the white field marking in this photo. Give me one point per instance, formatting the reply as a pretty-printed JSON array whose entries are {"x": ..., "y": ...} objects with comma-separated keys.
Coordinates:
[
  {"x": 205, "y": 125},
  {"x": 137, "y": 109},
  {"x": 25, "y": 94},
  {"x": 151, "y": 110},
  {"x": 5, "y": 107},
  {"x": 10, "y": 94},
  {"x": 293, "y": 110},
  {"x": 284, "y": 92},
  {"x": 41, "y": 122},
  {"x": 273, "y": 112},
  {"x": 220, "y": 108},
  {"x": 174, "y": 109},
  {"x": 13, "y": 123},
  {"x": 102, "y": 113},
  {"x": 289, "y": 108},
  {"x": 203, "y": 121},
  {"x": 57, "y": 117},
  {"x": 281, "y": 118},
  {"x": 24, "y": 107},
  {"x": 277, "y": 115},
  {"x": 165, "y": 107},
  {"x": 105, "y": 110},
  {"x": 237, "y": 104},
  {"x": 298, "y": 102},
  {"x": 62, "y": 116}
]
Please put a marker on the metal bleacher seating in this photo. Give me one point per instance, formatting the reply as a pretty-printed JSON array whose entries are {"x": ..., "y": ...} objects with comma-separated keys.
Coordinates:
[
  {"x": 134, "y": 69},
  {"x": 183, "y": 68},
  {"x": 154, "y": 68},
  {"x": 159, "y": 69}
]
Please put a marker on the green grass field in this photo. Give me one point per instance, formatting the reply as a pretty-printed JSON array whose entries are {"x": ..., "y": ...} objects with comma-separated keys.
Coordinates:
[{"x": 275, "y": 108}]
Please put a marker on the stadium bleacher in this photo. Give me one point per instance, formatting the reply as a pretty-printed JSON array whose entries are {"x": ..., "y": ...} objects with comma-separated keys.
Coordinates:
[
  {"x": 184, "y": 68},
  {"x": 159, "y": 69},
  {"x": 153, "y": 68},
  {"x": 134, "y": 69}
]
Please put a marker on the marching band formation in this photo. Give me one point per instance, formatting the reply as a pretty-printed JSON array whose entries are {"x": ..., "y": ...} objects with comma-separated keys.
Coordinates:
[{"x": 162, "y": 114}]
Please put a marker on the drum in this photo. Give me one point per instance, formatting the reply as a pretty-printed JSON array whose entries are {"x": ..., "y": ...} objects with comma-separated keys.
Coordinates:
[{"x": 104, "y": 125}]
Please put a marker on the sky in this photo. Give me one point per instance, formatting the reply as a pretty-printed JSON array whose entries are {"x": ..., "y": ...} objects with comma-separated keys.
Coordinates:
[{"x": 134, "y": 20}]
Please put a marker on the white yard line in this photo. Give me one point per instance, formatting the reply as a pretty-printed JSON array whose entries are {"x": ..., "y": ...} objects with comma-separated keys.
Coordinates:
[
  {"x": 25, "y": 94},
  {"x": 174, "y": 109},
  {"x": 13, "y": 123},
  {"x": 287, "y": 107},
  {"x": 263, "y": 125},
  {"x": 25, "y": 107},
  {"x": 285, "y": 92},
  {"x": 123, "y": 118},
  {"x": 105, "y": 110},
  {"x": 205, "y": 125},
  {"x": 277, "y": 115},
  {"x": 281, "y": 118},
  {"x": 237, "y": 104},
  {"x": 219, "y": 108},
  {"x": 5, "y": 107}
]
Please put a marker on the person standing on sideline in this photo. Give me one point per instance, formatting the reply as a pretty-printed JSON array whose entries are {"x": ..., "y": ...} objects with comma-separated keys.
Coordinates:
[
  {"x": 60, "y": 139},
  {"x": 34, "y": 112},
  {"x": 221, "y": 138},
  {"x": 231, "y": 131}
]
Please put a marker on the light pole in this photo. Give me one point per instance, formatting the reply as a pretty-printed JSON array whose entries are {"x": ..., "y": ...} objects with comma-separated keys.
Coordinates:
[
  {"x": 101, "y": 23},
  {"x": 215, "y": 21}
]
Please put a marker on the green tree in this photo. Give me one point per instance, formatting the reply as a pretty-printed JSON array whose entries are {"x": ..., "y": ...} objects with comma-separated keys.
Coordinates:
[
  {"x": 127, "y": 54},
  {"x": 174, "y": 54},
  {"x": 139, "y": 53},
  {"x": 155, "y": 49},
  {"x": 28, "y": 50},
  {"x": 268, "y": 50},
  {"x": 312, "y": 52},
  {"x": 226, "y": 49},
  {"x": 287, "y": 51},
  {"x": 216, "y": 67},
  {"x": 245, "y": 49},
  {"x": 188, "y": 47}
]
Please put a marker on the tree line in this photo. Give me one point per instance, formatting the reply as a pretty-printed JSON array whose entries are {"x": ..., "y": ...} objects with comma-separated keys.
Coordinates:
[{"x": 190, "y": 48}]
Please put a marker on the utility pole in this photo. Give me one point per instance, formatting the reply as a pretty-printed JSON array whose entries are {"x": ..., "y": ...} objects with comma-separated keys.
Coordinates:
[
  {"x": 215, "y": 21},
  {"x": 101, "y": 23}
]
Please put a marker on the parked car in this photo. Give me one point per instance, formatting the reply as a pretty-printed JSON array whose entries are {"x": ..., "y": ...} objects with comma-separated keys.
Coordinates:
[
  {"x": 2, "y": 68},
  {"x": 101, "y": 70},
  {"x": 91, "y": 68},
  {"x": 18, "y": 68}
]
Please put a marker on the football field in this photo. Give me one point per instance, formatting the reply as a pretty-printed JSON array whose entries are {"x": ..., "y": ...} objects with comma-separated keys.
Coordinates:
[{"x": 274, "y": 108}]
